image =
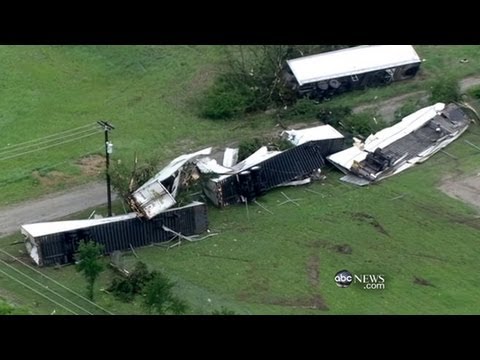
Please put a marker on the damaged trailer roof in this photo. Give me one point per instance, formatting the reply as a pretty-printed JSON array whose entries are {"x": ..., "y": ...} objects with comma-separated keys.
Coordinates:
[
  {"x": 351, "y": 61},
  {"x": 413, "y": 140},
  {"x": 266, "y": 169},
  {"x": 56, "y": 242},
  {"x": 53, "y": 227},
  {"x": 152, "y": 198}
]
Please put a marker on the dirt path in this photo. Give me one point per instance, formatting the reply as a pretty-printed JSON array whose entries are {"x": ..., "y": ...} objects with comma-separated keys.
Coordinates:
[
  {"x": 469, "y": 82},
  {"x": 53, "y": 206},
  {"x": 386, "y": 109},
  {"x": 59, "y": 205},
  {"x": 466, "y": 189}
]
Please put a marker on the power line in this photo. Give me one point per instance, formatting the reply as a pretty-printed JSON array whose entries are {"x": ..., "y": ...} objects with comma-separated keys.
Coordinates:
[
  {"x": 37, "y": 292},
  {"x": 56, "y": 282},
  {"x": 27, "y": 173},
  {"x": 49, "y": 136},
  {"x": 42, "y": 143},
  {"x": 50, "y": 146},
  {"x": 45, "y": 286}
]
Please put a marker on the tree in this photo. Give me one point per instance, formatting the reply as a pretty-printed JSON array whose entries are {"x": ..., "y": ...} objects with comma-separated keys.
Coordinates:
[
  {"x": 255, "y": 79},
  {"x": 223, "y": 311},
  {"x": 126, "y": 288},
  {"x": 5, "y": 309},
  {"x": 88, "y": 263},
  {"x": 158, "y": 296}
]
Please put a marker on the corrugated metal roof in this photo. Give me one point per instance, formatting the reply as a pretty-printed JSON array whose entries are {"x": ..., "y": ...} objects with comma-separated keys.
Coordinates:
[
  {"x": 275, "y": 168},
  {"x": 351, "y": 61},
  {"x": 386, "y": 136},
  {"x": 120, "y": 233}
]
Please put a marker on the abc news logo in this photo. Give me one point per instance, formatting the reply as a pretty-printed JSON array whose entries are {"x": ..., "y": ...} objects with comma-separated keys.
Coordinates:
[{"x": 344, "y": 278}]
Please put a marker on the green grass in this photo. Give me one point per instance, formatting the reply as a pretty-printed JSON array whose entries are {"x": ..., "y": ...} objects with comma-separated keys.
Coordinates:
[
  {"x": 149, "y": 93},
  {"x": 262, "y": 263}
]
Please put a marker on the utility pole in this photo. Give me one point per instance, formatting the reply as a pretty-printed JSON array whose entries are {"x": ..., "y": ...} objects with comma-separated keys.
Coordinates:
[{"x": 108, "y": 150}]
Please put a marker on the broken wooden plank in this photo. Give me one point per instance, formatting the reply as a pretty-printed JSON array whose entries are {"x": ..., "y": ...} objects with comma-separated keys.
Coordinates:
[
  {"x": 263, "y": 207},
  {"x": 448, "y": 154},
  {"x": 133, "y": 251},
  {"x": 314, "y": 192},
  {"x": 472, "y": 145},
  {"x": 188, "y": 238},
  {"x": 289, "y": 200},
  {"x": 398, "y": 197}
]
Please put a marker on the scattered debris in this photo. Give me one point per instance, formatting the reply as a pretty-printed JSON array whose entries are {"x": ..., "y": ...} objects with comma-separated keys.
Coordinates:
[
  {"x": 449, "y": 155},
  {"x": 158, "y": 194},
  {"x": 472, "y": 145},
  {"x": 266, "y": 169},
  {"x": 133, "y": 251},
  {"x": 263, "y": 207},
  {"x": 289, "y": 200},
  {"x": 398, "y": 197}
]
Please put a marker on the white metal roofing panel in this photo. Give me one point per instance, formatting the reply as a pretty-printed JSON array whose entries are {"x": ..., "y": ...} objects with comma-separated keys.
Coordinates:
[
  {"x": 323, "y": 132},
  {"x": 47, "y": 228},
  {"x": 174, "y": 166},
  {"x": 54, "y": 227},
  {"x": 356, "y": 60},
  {"x": 208, "y": 165},
  {"x": 230, "y": 157}
]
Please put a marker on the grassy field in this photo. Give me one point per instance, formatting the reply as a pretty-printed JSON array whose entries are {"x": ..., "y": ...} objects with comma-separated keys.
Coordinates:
[
  {"x": 285, "y": 263},
  {"x": 259, "y": 263},
  {"x": 148, "y": 92}
]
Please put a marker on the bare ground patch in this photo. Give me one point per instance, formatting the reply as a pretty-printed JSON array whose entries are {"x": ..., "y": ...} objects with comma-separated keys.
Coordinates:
[
  {"x": 92, "y": 165},
  {"x": 51, "y": 178},
  {"x": 312, "y": 270},
  {"x": 469, "y": 82},
  {"x": 421, "y": 281},
  {"x": 315, "y": 302},
  {"x": 464, "y": 189},
  {"x": 386, "y": 109},
  {"x": 362, "y": 217}
]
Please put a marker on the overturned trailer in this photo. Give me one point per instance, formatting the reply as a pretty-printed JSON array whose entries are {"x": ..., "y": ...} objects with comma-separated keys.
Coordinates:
[
  {"x": 266, "y": 169},
  {"x": 57, "y": 242},
  {"x": 413, "y": 140},
  {"x": 158, "y": 194},
  {"x": 324, "y": 75}
]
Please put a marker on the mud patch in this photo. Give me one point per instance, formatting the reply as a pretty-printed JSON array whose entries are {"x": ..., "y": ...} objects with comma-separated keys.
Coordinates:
[
  {"x": 464, "y": 189},
  {"x": 421, "y": 281},
  {"x": 50, "y": 179},
  {"x": 315, "y": 302},
  {"x": 362, "y": 217},
  {"x": 343, "y": 249},
  {"x": 312, "y": 270},
  {"x": 92, "y": 165}
]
